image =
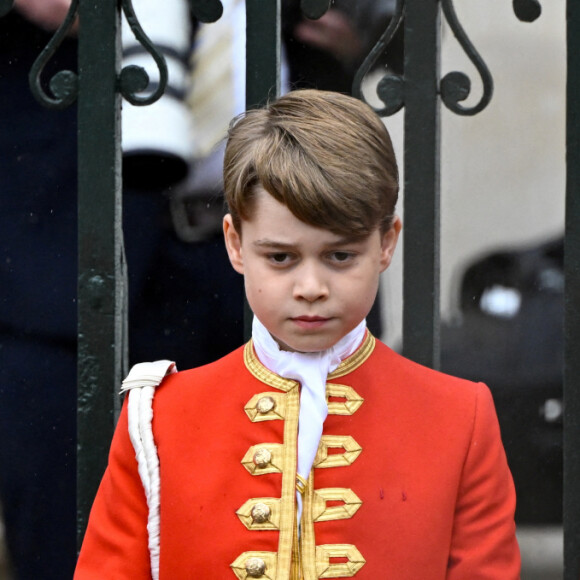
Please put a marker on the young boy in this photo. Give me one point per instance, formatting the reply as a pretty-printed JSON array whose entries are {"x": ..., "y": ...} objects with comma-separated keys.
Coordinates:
[{"x": 314, "y": 451}]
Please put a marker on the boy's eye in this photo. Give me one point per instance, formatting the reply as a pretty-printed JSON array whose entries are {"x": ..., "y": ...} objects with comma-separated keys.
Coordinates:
[
  {"x": 341, "y": 256},
  {"x": 279, "y": 258}
]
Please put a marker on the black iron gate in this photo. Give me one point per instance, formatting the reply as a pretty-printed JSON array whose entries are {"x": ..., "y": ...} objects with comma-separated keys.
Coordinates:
[{"x": 98, "y": 89}]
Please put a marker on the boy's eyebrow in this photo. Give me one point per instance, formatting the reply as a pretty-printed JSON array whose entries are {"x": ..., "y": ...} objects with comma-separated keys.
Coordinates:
[
  {"x": 346, "y": 240},
  {"x": 275, "y": 244},
  {"x": 266, "y": 243}
]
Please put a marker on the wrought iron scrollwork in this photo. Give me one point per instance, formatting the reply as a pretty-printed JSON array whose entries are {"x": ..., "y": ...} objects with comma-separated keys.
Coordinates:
[
  {"x": 206, "y": 10},
  {"x": 527, "y": 10},
  {"x": 5, "y": 7},
  {"x": 134, "y": 79},
  {"x": 314, "y": 9},
  {"x": 456, "y": 86},
  {"x": 64, "y": 84},
  {"x": 390, "y": 87}
]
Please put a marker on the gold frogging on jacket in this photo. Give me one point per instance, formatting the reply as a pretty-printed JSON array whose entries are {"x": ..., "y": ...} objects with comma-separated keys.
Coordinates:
[{"x": 259, "y": 514}]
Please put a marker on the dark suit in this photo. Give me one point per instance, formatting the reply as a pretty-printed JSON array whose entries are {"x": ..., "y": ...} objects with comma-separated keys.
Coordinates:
[{"x": 37, "y": 312}]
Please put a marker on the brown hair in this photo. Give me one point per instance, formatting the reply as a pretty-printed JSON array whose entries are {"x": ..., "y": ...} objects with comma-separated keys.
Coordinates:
[{"x": 326, "y": 156}]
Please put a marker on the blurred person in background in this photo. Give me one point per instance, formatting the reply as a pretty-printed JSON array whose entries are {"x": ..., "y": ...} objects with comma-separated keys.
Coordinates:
[{"x": 37, "y": 301}]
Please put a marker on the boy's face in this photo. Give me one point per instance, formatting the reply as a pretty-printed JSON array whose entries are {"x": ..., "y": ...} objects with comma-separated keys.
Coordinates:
[{"x": 307, "y": 285}]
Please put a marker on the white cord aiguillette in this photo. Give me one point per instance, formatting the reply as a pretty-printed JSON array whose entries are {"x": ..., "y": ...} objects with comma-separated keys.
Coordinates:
[{"x": 141, "y": 381}]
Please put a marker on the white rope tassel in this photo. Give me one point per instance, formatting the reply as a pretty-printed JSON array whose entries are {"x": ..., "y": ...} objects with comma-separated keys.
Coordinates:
[
  {"x": 152, "y": 466},
  {"x": 135, "y": 436},
  {"x": 142, "y": 381}
]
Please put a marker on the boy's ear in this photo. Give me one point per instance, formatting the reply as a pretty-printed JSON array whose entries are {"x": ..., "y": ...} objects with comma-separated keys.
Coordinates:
[
  {"x": 233, "y": 244},
  {"x": 389, "y": 242}
]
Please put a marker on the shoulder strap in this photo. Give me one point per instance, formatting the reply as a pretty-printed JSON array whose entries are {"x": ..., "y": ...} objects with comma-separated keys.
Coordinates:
[{"x": 141, "y": 382}]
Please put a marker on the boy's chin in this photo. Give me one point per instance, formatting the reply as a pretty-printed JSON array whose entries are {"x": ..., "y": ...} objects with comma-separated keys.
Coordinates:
[
  {"x": 301, "y": 347},
  {"x": 286, "y": 347}
]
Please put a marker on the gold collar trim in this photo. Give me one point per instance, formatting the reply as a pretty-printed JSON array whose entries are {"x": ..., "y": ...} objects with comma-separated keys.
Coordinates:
[
  {"x": 264, "y": 374},
  {"x": 355, "y": 360}
]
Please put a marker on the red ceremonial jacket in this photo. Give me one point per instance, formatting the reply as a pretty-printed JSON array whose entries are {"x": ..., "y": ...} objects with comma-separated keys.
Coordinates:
[{"x": 410, "y": 481}]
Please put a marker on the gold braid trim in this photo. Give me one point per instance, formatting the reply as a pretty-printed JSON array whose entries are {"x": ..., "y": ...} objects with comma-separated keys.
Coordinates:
[
  {"x": 356, "y": 359},
  {"x": 307, "y": 539},
  {"x": 300, "y": 484},
  {"x": 264, "y": 374},
  {"x": 288, "y": 500},
  {"x": 315, "y": 559}
]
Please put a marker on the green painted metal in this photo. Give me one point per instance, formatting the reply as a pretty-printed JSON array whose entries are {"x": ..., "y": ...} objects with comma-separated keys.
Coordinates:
[
  {"x": 390, "y": 89},
  {"x": 64, "y": 84},
  {"x": 206, "y": 10},
  {"x": 527, "y": 10},
  {"x": 455, "y": 86},
  {"x": 102, "y": 281},
  {"x": 262, "y": 71},
  {"x": 571, "y": 507},
  {"x": 134, "y": 79},
  {"x": 421, "y": 193},
  {"x": 314, "y": 9},
  {"x": 262, "y": 51},
  {"x": 5, "y": 7}
]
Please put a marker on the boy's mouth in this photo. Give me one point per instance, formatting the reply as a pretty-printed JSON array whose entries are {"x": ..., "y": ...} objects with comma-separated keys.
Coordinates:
[{"x": 310, "y": 321}]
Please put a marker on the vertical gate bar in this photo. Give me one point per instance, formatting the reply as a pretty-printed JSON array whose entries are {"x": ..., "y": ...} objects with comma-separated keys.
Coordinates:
[
  {"x": 571, "y": 504},
  {"x": 101, "y": 286},
  {"x": 263, "y": 32},
  {"x": 422, "y": 181}
]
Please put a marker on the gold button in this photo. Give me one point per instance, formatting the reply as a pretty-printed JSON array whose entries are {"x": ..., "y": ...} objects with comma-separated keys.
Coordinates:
[
  {"x": 265, "y": 405},
  {"x": 262, "y": 457},
  {"x": 255, "y": 567},
  {"x": 260, "y": 513}
]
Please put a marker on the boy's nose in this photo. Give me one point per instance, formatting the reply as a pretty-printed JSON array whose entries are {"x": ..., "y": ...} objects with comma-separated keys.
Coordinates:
[{"x": 310, "y": 285}]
